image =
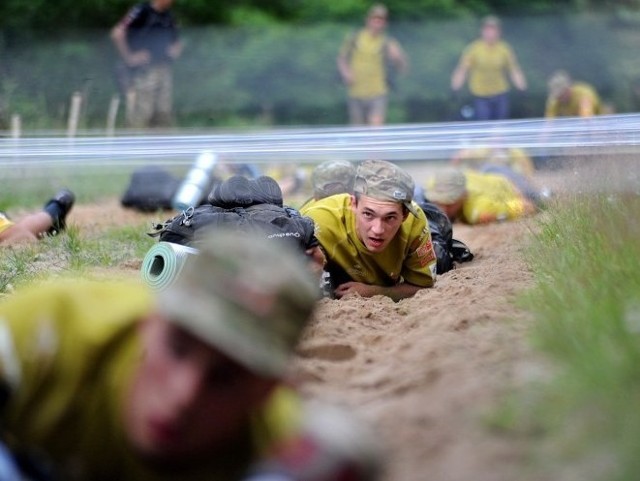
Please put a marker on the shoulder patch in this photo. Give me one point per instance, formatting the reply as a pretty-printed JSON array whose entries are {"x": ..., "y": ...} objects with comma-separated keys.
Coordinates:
[{"x": 426, "y": 254}]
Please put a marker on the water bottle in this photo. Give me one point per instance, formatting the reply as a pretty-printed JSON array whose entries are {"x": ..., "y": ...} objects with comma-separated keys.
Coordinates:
[{"x": 195, "y": 185}]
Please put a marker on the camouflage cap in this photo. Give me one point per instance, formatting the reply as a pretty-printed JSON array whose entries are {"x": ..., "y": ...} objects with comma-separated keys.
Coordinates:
[
  {"x": 385, "y": 181},
  {"x": 333, "y": 177},
  {"x": 558, "y": 83},
  {"x": 247, "y": 298},
  {"x": 446, "y": 186}
]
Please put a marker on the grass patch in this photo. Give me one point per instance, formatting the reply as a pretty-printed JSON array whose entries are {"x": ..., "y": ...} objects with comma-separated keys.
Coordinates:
[
  {"x": 586, "y": 259},
  {"x": 29, "y": 187},
  {"x": 74, "y": 253}
]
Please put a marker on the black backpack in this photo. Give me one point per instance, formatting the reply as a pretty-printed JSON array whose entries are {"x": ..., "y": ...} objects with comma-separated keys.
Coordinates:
[
  {"x": 447, "y": 249},
  {"x": 245, "y": 205},
  {"x": 150, "y": 189}
]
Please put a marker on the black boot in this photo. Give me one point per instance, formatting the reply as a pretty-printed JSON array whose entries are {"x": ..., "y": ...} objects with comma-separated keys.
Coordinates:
[{"x": 58, "y": 208}]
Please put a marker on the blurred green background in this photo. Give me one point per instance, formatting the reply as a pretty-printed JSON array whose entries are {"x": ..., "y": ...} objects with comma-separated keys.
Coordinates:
[{"x": 256, "y": 63}]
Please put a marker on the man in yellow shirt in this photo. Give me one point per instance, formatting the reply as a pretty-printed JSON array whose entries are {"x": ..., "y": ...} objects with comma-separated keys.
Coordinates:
[
  {"x": 51, "y": 220},
  {"x": 362, "y": 63},
  {"x": 486, "y": 62},
  {"x": 477, "y": 198},
  {"x": 111, "y": 383},
  {"x": 571, "y": 99},
  {"x": 377, "y": 241}
]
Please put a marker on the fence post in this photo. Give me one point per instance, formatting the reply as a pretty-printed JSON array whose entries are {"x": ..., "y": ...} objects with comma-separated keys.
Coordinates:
[
  {"x": 74, "y": 114},
  {"x": 112, "y": 115},
  {"x": 16, "y": 126}
]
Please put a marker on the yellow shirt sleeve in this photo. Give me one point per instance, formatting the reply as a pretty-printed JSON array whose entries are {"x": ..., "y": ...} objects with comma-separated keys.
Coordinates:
[
  {"x": 511, "y": 61},
  {"x": 329, "y": 218},
  {"x": 551, "y": 110},
  {"x": 4, "y": 223},
  {"x": 40, "y": 329},
  {"x": 468, "y": 56},
  {"x": 420, "y": 265},
  {"x": 348, "y": 45}
]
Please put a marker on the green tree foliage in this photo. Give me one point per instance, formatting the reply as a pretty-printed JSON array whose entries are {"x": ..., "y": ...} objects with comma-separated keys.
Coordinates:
[
  {"x": 276, "y": 63},
  {"x": 52, "y": 16}
]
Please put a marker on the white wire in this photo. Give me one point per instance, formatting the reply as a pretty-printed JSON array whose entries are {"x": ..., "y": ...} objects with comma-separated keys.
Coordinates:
[{"x": 416, "y": 142}]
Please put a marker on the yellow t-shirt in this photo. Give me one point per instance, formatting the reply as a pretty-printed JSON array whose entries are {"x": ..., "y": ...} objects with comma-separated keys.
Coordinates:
[
  {"x": 68, "y": 352},
  {"x": 571, "y": 108},
  {"x": 514, "y": 158},
  {"x": 409, "y": 256},
  {"x": 488, "y": 65},
  {"x": 491, "y": 197},
  {"x": 366, "y": 56},
  {"x": 4, "y": 223}
]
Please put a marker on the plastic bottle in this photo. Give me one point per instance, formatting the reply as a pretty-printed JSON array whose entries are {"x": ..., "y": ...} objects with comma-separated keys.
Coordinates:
[{"x": 194, "y": 187}]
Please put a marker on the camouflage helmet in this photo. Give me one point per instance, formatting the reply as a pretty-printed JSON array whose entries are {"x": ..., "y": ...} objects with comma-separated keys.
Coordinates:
[
  {"x": 385, "y": 181},
  {"x": 248, "y": 298},
  {"x": 333, "y": 177},
  {"x": 447, "y": 186}
]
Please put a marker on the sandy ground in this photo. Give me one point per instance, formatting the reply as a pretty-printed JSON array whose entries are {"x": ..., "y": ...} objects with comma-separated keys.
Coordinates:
[{"x": 428, "y": 372}]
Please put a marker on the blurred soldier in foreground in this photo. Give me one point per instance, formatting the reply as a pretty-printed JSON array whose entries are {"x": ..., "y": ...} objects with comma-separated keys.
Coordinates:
[
  {"x": 111, "y": 384},
  {"x": 363, "y": 63},
  {"x": 477, "y": 198},
  {"x": 147, "y": 40},
  {"x": 376, "y": 240},
  {"x": 51, "y": 220},
  {"x": 571, "y": 99}
]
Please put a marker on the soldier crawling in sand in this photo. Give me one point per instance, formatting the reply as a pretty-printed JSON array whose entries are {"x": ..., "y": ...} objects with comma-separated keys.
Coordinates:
[{"x": 376, "y": 240}]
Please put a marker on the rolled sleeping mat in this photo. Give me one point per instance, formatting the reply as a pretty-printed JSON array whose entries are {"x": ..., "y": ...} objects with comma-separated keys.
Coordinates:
[{"x": 163, "y": 263}]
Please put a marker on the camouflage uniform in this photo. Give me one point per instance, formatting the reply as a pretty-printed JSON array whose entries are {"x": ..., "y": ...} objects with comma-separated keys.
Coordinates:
[{"x": 150, "y": 100}]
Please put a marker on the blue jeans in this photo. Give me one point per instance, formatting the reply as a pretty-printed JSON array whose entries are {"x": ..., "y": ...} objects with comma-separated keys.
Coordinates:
[
  {"x": 492, "y": 108},
  {"x": 520, "y": 181},
  {"x": 8, "y": 469}
]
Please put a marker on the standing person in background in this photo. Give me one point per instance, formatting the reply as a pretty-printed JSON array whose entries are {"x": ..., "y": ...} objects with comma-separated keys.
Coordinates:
[
  {"x": 363, "y": 63},
  {"x": 486, "y": 62},
  {"x": 147, "y": 40},
  {"x": 571, "y": 99}
]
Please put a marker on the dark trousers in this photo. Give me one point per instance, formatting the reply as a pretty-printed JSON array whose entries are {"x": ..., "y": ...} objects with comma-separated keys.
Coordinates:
[
  {"x": 523, "y": 184},
  {"x": 492, "y": 108}
]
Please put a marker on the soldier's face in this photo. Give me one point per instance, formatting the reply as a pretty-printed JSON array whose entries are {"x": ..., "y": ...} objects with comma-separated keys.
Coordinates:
[
  {"x": 377, "y": 221},
  {"x": 162, "y": 5},
  {"x": 187, "y": 399},
  {"x": 377, "y": 23},
  {"x": 490, "y": 33}
]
